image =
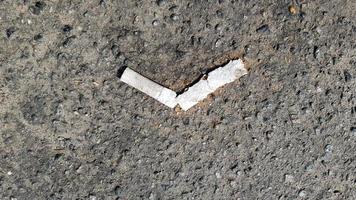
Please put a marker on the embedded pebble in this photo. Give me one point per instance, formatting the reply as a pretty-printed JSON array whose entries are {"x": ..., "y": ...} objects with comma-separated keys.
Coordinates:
[
  {"x": 302, "y": 193},
  {"x": 155, "y": 23},
  {"x": 161, "y": 2},
  {"x": 174, "y": 17}
]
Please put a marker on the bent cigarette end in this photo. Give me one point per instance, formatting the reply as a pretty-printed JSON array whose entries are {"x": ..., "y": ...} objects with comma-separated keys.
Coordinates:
[
  {"x": 217, "y": 78},
  {"x": 152, "y": 89}
]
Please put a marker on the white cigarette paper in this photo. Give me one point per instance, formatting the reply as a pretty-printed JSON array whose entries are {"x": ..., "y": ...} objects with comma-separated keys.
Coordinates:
[
  {"x": 152, "y": 89},
  {"x": 217, "y": 78}
]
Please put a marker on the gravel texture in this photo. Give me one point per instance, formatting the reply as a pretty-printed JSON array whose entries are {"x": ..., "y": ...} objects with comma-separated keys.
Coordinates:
[{"x": 69, "y": 129}]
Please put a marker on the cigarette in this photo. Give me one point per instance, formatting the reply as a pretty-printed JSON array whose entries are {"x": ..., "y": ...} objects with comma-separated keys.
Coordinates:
[{"x": 194, "y": 94}]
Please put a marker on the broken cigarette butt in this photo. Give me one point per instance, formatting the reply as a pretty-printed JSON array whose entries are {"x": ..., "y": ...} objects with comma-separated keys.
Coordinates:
[
  {"x": 217, "y": 78},
  {"x": 199, "y": 91},
  {"x": 152, "y": 89}
]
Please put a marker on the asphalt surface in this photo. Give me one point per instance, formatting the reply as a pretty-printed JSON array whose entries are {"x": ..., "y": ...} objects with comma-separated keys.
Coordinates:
[{"x": 69, "y": 129}]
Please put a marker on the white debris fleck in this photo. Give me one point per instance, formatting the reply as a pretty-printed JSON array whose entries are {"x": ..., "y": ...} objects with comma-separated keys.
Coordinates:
[
  {"x": 199, "y": 91},
  {"x": 289, "y": 178},
  {"x": 91, "y": 197},
  {"x": 9, "y": 173},
  {"x": 302, "y": 193}
]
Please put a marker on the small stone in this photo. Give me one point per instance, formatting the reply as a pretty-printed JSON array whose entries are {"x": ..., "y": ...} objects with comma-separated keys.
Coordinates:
[
  {"x": 263, "y": 29},
  {"x": 174, "y": 17},
  {"x": 115, "y": 50},
  {"x": 309, "y": 167},
  {"x": 239, "y": 173},
  {"x": 80, "y": 169},
  {"x": 67, "y": 28},
  {"x": 316, "y": 52},
  {"x": 37, "y": 8},
  {"x": 102, "y": 3},
  {"x": 218, "y": 43},
  {"x": 173, "y": 8},
  {"x": 155, "y": 23},
  {"x": 293, "y": 9},
  {"x": 152, "y": 196},
  {"x": 38, "y": 37},
  {"x": 218, "y": 175},
  {"x": 68, "y": 41},
  {"x": 353, "y": 131},
  {"x": 10, "y": 31},
  {"x": 219, "y": 13},
  {"x": 160, "y": 2},
  {"x": 347, "y": 76},
  {"x": 218, "y": 28},
  {"x": 289, "y": 178},
  {"x": 328, "y": 148},
  {"x": 302, "y": 193},
  {"x": 117, "y": 190}
]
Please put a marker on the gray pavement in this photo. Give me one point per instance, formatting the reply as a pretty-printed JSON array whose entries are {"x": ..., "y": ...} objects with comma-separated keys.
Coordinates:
[{"x": 69, "y": 129}]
